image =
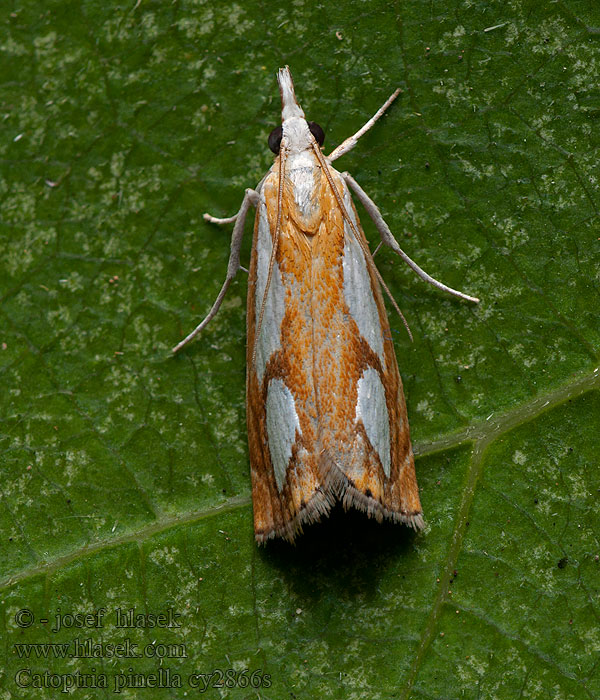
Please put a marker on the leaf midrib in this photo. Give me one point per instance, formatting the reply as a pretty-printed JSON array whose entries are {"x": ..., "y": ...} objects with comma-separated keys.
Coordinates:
[{"x": 481, "y": 434}]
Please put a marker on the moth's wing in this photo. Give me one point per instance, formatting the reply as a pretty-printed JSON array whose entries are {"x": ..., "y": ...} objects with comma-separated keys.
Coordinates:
[
  {"x": 325, "y": 408},
  {"x": 365, "y": 451},
  {"x": 280, "y": 394}
]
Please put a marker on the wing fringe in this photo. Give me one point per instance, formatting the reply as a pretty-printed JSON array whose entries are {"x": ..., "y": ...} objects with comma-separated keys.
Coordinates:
[
  {"x": 349, "y": 496},
  {"x": 337, "y": 488}
]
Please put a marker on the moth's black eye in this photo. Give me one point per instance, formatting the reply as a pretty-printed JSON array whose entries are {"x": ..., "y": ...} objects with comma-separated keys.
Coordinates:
[
  {"x": 317, "y": 132},
  {"x": 275, "y": 139}
]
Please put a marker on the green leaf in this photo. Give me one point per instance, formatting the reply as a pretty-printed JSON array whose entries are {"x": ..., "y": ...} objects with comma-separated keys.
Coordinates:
[{"x": 124, "y": 473}]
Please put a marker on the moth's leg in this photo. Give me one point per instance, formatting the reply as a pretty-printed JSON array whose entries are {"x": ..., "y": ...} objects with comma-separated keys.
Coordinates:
[
  {"x": 251, "y": 198},
  {"x": 222, "y": 222},
  {"x": 389, "y": 240},
  {"x": 350, "y": 142},
  {"x": 253, "y": 194},
  {"x": 216, "y": 220}
]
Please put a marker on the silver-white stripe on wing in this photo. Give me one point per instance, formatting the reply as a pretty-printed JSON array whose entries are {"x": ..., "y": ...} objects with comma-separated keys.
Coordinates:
[
  {"x": 282, "y": 424},
  {"x": 357, "y": 287},
  {"x": 270, "y": 332},
  {"x": 371, "y": 408}
]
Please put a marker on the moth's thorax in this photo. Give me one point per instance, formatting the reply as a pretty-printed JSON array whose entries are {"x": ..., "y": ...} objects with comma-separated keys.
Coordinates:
[
  {"x": 302, "y": 181},
  {"x": 296, "y": 135}
]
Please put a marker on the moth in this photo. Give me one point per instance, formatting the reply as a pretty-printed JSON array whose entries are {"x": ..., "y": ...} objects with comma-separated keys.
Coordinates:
[{"x": 326, "y": 412}]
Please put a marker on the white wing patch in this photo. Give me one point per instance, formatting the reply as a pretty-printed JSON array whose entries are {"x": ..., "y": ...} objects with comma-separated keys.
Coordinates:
[
  {"x": 282, "y": 424},
  {"x": 357, "y": 288},
  {"x": 371, "y": 408},
  {"x": 270, "y": 332}
]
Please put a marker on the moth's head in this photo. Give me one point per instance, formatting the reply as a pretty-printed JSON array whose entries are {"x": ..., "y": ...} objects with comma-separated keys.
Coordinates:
[{"x": 294, "y": 132}]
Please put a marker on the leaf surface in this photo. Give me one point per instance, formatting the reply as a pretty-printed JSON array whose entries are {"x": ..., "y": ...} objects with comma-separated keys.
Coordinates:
[{"x": 125, "y": 478}]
